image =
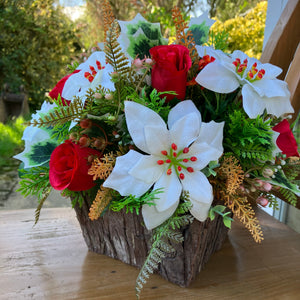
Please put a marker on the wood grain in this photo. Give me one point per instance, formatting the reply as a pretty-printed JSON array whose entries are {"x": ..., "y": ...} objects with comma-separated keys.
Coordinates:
[{"x": 51, "y": 261}]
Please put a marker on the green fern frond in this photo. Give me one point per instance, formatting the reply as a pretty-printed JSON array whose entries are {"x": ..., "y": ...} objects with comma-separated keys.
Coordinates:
[
  {"x": 60, "y": 115},
  {"x": 288, "y": 195},
  {"x": 34, "y": 182},
  {"x": 161, "y": 246},
  {"x": 250, "y": 139},
  {"x": 113, "y": 51}
]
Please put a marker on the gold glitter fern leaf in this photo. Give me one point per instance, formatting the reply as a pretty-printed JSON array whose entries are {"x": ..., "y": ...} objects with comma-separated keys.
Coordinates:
[
  {"x": 102, "y": 199},
  {"x": 242, "y": 209},
  {"x": 102, "y": 167},
  {"x": 234, "y": 173}
]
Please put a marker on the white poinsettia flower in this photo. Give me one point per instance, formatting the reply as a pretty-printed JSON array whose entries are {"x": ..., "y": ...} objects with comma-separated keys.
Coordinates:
[
  {"x": 175, "y": 155},
  {"x": 34, "y": 135},
  {"x": 93, "y": 72},
  {"x": 260, "y": 88}
]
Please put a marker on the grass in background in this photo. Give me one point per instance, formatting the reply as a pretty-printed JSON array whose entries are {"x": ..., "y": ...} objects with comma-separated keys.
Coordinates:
[{"x": 10, "y": 142}]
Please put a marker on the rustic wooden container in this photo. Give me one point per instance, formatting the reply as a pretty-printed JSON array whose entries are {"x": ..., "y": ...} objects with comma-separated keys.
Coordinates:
[{"x": 122, "y": 236}]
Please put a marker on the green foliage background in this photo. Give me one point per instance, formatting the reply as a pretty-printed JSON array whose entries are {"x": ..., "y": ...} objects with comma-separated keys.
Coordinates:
[{"x": 37, "y": 41}]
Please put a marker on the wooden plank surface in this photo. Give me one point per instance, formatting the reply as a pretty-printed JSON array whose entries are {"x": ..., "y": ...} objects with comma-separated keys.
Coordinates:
[{"x": 50, "y": 261}]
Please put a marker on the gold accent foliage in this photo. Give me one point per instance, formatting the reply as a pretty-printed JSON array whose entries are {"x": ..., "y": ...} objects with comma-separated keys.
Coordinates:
[
  {"x": 183, "y": 37},
  {"x": 102, "y": 167},
  {"x": 234, "y": 173},
  {"x": 107, "y": 16},
  {"x": 243, "y": 210},
  {"x": 102, "y": 199}
]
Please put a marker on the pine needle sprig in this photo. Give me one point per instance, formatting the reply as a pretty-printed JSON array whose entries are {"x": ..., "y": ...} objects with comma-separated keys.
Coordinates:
[{"x": 161, "y": 246}]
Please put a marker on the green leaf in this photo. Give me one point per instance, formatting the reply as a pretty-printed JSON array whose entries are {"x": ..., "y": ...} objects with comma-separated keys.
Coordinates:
[
  {"x": 40, "y": 153},
  {"x": 227, "y": 222}
]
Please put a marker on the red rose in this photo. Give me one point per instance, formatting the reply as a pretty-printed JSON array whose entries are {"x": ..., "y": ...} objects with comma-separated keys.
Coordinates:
[
  {"x": 286, "y": 141},
  {"x": 169, "y": 73},
  {"x": 57, "y": 90},
  {"x": 69, "y": 167}
]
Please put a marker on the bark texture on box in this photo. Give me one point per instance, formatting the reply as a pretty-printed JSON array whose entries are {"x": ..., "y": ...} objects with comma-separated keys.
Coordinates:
[{"x": 122, "y": 236}]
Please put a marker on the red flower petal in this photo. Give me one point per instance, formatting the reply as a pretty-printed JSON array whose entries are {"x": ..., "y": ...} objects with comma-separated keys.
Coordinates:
[{"x": 286, "y": 141}]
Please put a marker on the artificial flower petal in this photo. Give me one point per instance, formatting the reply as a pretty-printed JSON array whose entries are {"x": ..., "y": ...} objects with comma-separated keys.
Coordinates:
[
  {"x": 252, "y": 104},
  {"x": 78, "y": 84},
  {"x": 212, "y": 134},
  {"x": 157, "y": 138},
  {"x": 185, "y": 130},
  {"x": 171, "y": 188},
  {"x": 200, "y": 192},
  {"x": 217, "y": 78},
  {"x": 182, "y": 109},
  {"x": 204, "y": 153},
  {"x": 153, "y": 217},
  {"x": 120, "y": 179},
  {"x": 137, "y": 117},
  {"x": 146, "y": 169}
]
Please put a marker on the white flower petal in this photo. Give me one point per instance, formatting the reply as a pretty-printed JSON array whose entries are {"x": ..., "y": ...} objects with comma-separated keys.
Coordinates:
[
  {"x": 200, "y": 192},
  {"x": 153, "y": 218},
  {"x": 207, "y": 50},
  {"x": 217, "y": 78},
  {"x": 77, "y": 84},
  {"x": 157, "y": 139},
  {"x": 121, "y": 181},
  {"x": 278, "y": 106},
  {"x": 186, "y": 130},
  {"x": 137, "y": 117},
  {"x": 200, "y": 210},
  {"x": 270, "y": 87},
  {"x": 271, "y": 71},
  {"x": 205, "y": 154},
  {"x": 146, "y": 169},
  {"x": 252, "y": 102},
  {"x": 182, "y": 109},
  {"x": 171, "y": 188},
  {"x": 212, "y": 134},
  {"x": 239, "y": 54}
]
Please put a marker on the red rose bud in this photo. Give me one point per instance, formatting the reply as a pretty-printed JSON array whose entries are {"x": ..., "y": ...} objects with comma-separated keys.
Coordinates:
[
  {"x": 69, "y": 167},
  {"x": 57, "y": 90},
  {"x": 169, "y": 72},
  {"x": 286, "y": 141}
]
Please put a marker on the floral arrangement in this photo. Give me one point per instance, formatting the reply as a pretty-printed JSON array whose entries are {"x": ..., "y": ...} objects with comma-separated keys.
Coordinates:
[{"x": 175, "y": 132}]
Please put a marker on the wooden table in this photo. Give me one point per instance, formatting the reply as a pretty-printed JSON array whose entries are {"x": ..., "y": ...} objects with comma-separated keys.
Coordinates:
[{"x": 51, "y": 261}]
